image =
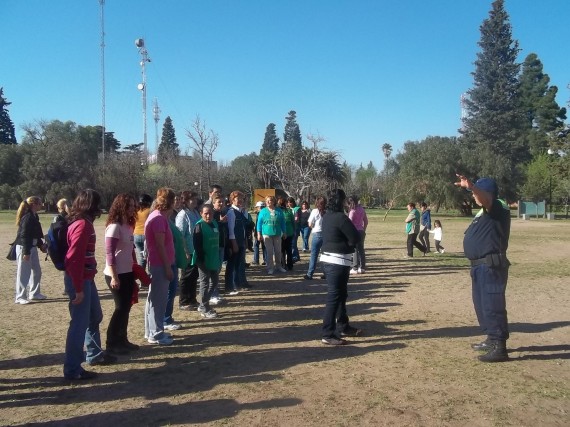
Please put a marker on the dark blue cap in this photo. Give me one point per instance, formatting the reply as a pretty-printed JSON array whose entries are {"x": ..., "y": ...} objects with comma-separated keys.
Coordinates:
[{"x": 489, "y": 185}]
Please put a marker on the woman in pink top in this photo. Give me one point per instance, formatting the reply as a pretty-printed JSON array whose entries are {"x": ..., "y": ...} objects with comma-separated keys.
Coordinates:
[
  {"x": 160, "y": 248},
  {"x": 84, "y": 306},
  {"x": 118, "y": 271},
  {"x": 357, "y": 215}
]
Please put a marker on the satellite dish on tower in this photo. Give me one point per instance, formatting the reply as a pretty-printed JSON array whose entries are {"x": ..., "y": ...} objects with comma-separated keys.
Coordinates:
[{"x": 139, "y": 43}]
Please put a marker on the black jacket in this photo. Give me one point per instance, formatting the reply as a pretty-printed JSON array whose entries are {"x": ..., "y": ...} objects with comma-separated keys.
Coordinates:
[
  {"x": 339, "y": 233},
  {"x": 29, "y": 229}
]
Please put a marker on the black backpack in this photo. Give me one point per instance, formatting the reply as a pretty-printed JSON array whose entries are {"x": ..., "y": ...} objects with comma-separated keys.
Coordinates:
[{"x": 56, "y": 240}]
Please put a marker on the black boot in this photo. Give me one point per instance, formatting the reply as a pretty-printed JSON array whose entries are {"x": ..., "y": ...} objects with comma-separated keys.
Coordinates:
[
  {"x": 497, "y": 353},
  {"x": 482, "y": 346}
]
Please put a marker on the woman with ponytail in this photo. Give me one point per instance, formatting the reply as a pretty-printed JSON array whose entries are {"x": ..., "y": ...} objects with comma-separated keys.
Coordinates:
[{"x": 28, "y": 240}]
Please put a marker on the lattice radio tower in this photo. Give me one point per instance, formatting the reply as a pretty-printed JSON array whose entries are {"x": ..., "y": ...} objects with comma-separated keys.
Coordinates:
[
  {"x": 156, "y": 114},
  {"x": 139, "y": 43}
]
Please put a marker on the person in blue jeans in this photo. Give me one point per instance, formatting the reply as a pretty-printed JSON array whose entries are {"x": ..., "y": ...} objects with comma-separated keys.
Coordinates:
[
  {"x": 340, "y": 237},
  {"x": 258, "y": 243},
  {"x": 84, "y": 305},
  {"x": 304, "y": 229},
  {"x": 315, "y": 222}
]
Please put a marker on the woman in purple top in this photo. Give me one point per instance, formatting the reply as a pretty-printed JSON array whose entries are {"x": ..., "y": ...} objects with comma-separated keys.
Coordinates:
[
  {"x": 160, "y": 247},
  {"x": 357, "y": 215}
]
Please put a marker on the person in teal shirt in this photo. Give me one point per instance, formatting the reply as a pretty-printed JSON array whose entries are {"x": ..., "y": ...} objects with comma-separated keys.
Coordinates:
[{"x": 271, "y": 229}]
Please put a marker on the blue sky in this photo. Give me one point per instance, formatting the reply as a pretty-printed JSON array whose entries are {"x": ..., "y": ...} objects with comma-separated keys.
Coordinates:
[{"x": 359, "y": 73}]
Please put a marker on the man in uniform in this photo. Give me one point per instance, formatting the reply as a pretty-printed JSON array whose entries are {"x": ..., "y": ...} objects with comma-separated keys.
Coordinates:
[{"x": 485, "y": 245}]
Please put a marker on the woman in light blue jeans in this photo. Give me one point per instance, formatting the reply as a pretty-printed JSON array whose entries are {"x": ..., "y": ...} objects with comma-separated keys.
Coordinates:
[{"x": 316, "y": 222}]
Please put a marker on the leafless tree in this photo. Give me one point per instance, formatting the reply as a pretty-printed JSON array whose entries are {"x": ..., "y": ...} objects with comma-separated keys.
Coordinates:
[{"x": 205, "y": 143}]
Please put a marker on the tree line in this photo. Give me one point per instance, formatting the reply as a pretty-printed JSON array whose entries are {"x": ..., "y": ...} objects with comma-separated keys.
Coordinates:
[{"x": 513, "y": 130}]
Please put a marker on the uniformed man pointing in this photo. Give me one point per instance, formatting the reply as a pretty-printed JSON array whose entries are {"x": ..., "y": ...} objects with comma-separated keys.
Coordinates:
[{"x": 485, "y": 245}]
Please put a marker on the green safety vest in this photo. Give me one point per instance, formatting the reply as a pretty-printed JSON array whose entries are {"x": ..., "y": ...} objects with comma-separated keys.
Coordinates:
[{"x": 211, "y": 244}]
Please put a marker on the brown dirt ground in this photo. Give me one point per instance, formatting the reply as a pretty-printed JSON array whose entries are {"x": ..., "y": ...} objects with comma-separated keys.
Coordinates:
[{"x": 261, "y": 362}]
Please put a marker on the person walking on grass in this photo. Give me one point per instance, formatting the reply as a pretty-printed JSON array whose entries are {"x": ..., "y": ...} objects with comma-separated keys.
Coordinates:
[
  {"x": 438, "y": 236},
  {"x": 425, "y": 226},
  {"x": 485, "y": 244},
  {"x": 84, "y": 304},
  {"x": 412, "y": 229}
]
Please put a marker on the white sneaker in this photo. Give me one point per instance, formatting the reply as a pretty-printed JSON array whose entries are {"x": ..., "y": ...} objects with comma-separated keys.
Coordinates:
[
  {"x": 172, "y": 327},
  {"x": 361, "y": 270},
  {"x": 210, "y": 314},
  {"x": 443, "y": 250},
  {"x": 38, "y": 297},
  {"x": 353, "y": 271},
  {"x": 216, "y": 301},
  {"x": 282, "y": 270},
  {"x": 164, "y": 340},
  {"x": 201, "y": 309},
  {"x": 22, "y": 301},
  {"x": 270, "y": 271}
]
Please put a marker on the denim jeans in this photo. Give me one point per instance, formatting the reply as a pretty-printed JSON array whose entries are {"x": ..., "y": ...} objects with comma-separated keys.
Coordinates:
[
  {"x": 172, "y": 288},
  {"x": 29, "y": 273},
  {"x": 335, "y": 319},
  {"x": 256, "y": 246},
  {"x": 305, "y": 233},
  {"x": 235, "y": 270},
  {"x": 139, "y": 250},
  {"x": 155, "y": 306},
  {"x": 208, "y": 281},
  {"x": 316, "y": 245},
  {"x": 424, "y": 238},
  {"x": 295, "y": 245},
  {"x": 83, "y": 328},
  {"x": 117, "y": 329},
  {"x": 359, "y": 258}
]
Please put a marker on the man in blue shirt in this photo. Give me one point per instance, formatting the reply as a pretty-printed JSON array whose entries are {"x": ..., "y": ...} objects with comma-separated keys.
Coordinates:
[{"x": 485, "y": 245}]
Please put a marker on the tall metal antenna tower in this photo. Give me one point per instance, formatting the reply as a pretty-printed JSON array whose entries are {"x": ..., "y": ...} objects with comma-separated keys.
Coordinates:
[
  {"x": 142, "y": 87},
  {"x": 102, "y": 3},
  {"x": 156, "y": 114}
]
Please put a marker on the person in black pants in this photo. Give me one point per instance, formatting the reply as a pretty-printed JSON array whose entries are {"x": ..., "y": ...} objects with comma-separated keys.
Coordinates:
[
  {"x": 485, "y": 245},
  {"x": 340, "y": 237},
  {"x": 425, "y": 226},
  {"x": 412, "y": 229}
]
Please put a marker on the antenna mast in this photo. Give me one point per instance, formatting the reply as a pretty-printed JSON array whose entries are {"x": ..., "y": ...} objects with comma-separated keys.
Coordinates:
[
  {"x": 142, "y": 87},
  {"x": 102, "y": 3},
  {"x": 156, "y": 111}
]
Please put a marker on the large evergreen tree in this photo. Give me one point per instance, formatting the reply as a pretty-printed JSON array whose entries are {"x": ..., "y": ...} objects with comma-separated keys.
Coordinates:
[
  {"x": 168, "y": 147},
  {"x": 494, "y": 127},
  {"x": 538, "y": 100},
  {"x": 7, "y": 132},
  {"x": 270, "y": 140},
  {"x": 292, "y": 134}
]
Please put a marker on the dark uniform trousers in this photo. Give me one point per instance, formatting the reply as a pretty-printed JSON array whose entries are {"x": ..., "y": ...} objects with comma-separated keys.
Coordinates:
[{"x": 488, "y": 289}]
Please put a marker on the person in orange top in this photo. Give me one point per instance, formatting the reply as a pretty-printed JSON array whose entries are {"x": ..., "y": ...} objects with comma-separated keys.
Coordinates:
[{"x": 145, "y": 201}]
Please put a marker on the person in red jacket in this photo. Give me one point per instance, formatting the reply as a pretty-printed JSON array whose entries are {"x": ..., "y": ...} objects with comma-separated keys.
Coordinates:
[{"x": 84, "y": 304}]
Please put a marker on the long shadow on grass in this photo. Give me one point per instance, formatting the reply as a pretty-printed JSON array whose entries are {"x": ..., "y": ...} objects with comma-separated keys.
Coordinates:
[
  {"x": 552, "y": 355},
  {"x": 161, "y": 413}
]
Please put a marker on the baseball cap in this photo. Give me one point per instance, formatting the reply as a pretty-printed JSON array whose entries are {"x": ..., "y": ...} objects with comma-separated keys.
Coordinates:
[
  {"x": 489, "y": 185},
  {"x": 260, "y": 204}
]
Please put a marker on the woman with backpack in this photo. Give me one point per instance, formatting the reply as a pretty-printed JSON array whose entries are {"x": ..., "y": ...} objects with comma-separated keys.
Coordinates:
[{"x": 28, "y": 240}]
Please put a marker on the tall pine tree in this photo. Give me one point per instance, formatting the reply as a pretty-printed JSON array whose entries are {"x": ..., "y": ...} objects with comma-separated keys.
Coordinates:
[
  {"x": 7, "y": 132},
  {"x": 168, "y": 147},
  {"x": 494, "y": 127},
  {"x": 270, "y": 140},
  {"x": 292, "y": 134},
  {"x": 542, "y": 113}
]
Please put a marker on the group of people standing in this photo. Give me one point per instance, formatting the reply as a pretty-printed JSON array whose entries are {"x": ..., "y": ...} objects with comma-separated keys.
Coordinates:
[{"x": 197, "y": 238}]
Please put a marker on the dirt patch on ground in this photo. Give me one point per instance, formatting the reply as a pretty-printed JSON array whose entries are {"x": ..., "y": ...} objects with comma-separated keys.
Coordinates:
[{"x": 261, "y": 362}]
